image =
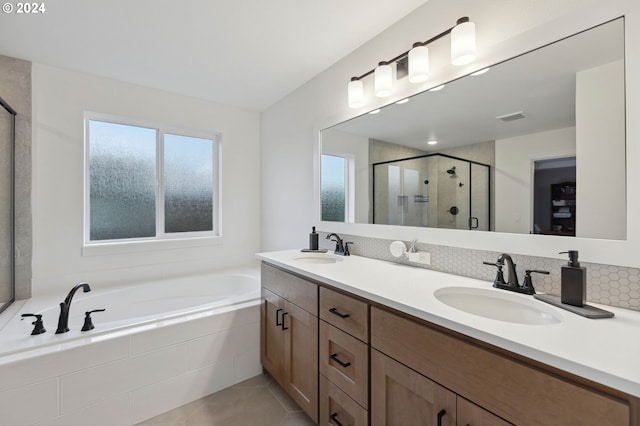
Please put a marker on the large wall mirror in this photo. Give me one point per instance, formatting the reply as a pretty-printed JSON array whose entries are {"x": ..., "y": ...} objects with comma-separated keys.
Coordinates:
[{"x": 534, "y": 145}]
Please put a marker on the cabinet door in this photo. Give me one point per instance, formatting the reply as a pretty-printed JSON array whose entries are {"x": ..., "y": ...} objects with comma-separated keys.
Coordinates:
[
  {"x": 272, "y": 334},
  {"x": 301, "y": 358},
  {"x": 469, "y": 414},
  {"x": 401, "y": 396}
]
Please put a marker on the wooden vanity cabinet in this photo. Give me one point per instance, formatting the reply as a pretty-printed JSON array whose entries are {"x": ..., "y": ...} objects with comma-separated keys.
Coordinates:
[
  {"x": 511, "y": 388},
  {"x": 289, "y": 335}
]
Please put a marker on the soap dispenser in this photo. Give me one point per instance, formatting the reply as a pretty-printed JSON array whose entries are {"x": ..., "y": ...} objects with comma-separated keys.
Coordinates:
[
  {"x": 573, "y": 281},
  {"x": 313, "y": 239}
]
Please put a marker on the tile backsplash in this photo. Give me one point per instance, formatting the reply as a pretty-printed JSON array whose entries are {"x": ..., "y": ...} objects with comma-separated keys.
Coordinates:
[{"x": 606, "y": 284}]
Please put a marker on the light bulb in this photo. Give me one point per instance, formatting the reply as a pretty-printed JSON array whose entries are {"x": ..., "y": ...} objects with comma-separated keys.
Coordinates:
[
  {"x": 355, "y": 91},
  {"x": 463, "y": 42},
  {"x": 383, "y": 77},
  {"x": 418, "y": 64}
]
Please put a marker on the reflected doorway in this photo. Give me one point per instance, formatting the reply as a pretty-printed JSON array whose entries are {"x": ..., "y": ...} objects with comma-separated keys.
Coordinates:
[{"x": 554, "y": 196}]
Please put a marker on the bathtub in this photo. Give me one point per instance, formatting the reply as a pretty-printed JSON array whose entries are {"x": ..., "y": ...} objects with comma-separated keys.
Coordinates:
[{"x": 157, "y": 346}]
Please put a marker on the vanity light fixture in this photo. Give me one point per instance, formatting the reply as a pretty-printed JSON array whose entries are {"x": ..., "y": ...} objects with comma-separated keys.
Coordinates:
[
  {"x": 415, "y": 62},
  {"x": 432, "y": 142}
]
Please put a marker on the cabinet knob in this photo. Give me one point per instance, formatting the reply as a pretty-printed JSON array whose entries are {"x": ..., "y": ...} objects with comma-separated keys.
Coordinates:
[{"x": 334, "y": 419}]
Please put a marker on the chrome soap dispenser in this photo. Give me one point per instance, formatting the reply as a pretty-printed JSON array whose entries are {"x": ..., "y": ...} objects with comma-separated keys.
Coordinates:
[{"x": 573, "y": 281}]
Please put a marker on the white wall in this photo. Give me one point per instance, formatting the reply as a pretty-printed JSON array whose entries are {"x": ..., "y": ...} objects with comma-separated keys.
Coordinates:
[
  {"x": 505, "y": 28},
  {"x": 59, "y": 99},
  {"x": 601, "y": 153},
  {"x": 514, "y": 174}
]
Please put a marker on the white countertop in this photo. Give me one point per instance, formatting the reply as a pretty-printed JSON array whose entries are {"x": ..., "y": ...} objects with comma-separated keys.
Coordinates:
[{"x": 606, "y": 351}]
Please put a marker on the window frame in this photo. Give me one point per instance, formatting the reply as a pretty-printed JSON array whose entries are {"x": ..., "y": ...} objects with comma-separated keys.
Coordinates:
[{"x": 161, "y": 240}]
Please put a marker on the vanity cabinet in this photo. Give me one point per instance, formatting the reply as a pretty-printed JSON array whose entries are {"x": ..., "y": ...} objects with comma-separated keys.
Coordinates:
[
  {"x": 289, "y": 335},
  {"x": 511, "y": 388}
]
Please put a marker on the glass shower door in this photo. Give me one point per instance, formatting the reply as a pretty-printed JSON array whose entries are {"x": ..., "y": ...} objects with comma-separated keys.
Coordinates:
[{"x": 7, "y": 121}]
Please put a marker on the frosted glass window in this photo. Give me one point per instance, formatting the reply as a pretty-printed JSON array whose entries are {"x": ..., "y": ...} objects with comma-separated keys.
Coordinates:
[
  {"x": 147, "y": 183},
  {"x": 333, "y": 198},
  {"x": 122, "y": 180},
  {"x": 188, "y": 184}
]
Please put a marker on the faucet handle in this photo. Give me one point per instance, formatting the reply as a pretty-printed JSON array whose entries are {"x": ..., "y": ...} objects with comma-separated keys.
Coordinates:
[
  {"x": 528, "y": 282},
  {"x": 346, "y": 248},
  {"x": 499, "y": 280},
  {"x": 39, "y": 326},
  {"x": 88, "y": 324}
]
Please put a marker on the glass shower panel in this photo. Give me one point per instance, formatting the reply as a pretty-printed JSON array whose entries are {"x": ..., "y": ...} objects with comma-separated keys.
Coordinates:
[
  {"x": 7, "y": 121},
  {"x": 333, "y": 188},
  {"x": 480, "y": 187}
]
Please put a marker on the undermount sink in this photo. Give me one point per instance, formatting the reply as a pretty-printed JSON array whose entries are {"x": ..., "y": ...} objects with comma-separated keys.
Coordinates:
[
  {"x": 498, "y": 305},
  {"x": 318, "y": 258}
]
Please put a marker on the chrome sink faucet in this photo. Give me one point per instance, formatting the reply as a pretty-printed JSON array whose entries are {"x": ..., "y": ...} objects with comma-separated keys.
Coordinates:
[{"x": 63, "y": 319}]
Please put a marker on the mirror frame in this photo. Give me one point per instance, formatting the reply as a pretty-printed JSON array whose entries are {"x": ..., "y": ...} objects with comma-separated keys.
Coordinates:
[{"x": 614, "y": 252}]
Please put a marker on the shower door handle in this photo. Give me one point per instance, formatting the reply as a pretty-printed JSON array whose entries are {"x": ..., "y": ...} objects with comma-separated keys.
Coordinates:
[{"x": 471, "y": 225}]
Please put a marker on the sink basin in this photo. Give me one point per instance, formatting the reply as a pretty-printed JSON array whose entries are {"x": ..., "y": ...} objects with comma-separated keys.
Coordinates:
[
  {"x": 319, "y": 258},
  {"x": 498, "y": 305}
]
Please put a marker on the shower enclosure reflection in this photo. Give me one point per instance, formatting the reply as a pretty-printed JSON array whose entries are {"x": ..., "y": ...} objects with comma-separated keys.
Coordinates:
[
  {"x": 7, "y": 135},
  {"x": 436, "y": 190}
]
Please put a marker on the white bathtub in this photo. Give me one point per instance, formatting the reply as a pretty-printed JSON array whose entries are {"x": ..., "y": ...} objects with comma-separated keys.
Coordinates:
[{"x": 157, "y": 346}]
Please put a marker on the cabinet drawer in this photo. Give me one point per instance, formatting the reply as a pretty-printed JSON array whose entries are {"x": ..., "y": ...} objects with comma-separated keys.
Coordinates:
[
  {"x": 296, "y": 290},
  {"x": 344, "y": 361},
  {"x": 346, "y": 313},
  {"x": 336, "y": 408},
  {"x": 520, "y": 393}
]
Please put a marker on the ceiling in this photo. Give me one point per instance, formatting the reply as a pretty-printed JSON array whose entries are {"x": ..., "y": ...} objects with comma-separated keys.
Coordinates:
[{"x": 247, "y": 53}]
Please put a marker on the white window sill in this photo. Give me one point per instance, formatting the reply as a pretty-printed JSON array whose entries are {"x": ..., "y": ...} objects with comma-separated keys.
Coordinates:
[{"x": 99, "y": 249}]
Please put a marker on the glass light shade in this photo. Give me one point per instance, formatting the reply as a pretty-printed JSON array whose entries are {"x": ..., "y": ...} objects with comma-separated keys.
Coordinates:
[
  {"x": 356, "y": 94},
  {"x": 463, "y": 43},
  {"x": 418, "y": 64},
  {"x": 383, "y": 80}
]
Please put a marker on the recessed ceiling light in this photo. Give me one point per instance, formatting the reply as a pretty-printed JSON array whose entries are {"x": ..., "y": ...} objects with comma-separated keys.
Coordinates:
[
  {"x": 403, "y": 101},
  {"x": 432, "y": 142},
  {"x": 482, "y": 71},
  {"x": 375, "y": 111},
  {"x": 435, "y": 89}
]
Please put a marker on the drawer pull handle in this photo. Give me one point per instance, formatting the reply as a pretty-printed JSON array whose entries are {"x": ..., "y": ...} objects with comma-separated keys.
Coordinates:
[
  {"x": 282, "y": 325},
  {"x": 278, "y": 323},
  {"x": 334, "y": 419},
  {"x": 441, "y": 414},
  {"x": 343, "y": 364},
  {"x": 334, "y": 311}
]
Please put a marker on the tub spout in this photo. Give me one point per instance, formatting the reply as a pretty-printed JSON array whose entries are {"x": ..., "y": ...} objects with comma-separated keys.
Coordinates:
[{"x": 63, "y": 319}]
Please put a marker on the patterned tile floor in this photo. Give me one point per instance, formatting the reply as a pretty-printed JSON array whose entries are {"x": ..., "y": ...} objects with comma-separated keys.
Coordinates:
[{"x": 259, "y": 401}]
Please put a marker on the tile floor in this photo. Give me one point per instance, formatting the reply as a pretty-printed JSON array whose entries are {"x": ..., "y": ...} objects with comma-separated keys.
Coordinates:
[{"x": 259, "y": 401}]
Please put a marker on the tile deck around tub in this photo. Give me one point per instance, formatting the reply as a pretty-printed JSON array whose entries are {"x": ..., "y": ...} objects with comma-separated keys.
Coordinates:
[{"x": 258, "y": 401}]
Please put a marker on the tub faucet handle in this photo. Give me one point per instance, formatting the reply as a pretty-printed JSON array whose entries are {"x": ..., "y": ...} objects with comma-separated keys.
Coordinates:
[
  {"x": 88, "y": 324},
  {"x": 39, "y": 326}
]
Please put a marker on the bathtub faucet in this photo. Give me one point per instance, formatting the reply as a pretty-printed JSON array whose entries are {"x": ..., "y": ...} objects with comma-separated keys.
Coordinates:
[{"x": 63, "y": 320}]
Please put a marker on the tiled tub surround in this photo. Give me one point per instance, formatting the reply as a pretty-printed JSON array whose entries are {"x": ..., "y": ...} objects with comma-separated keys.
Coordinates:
[
  {"x": 133, "y": 372},
  {"x": 606, "y": 284},
  {"x": 599, "y": 350}
]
